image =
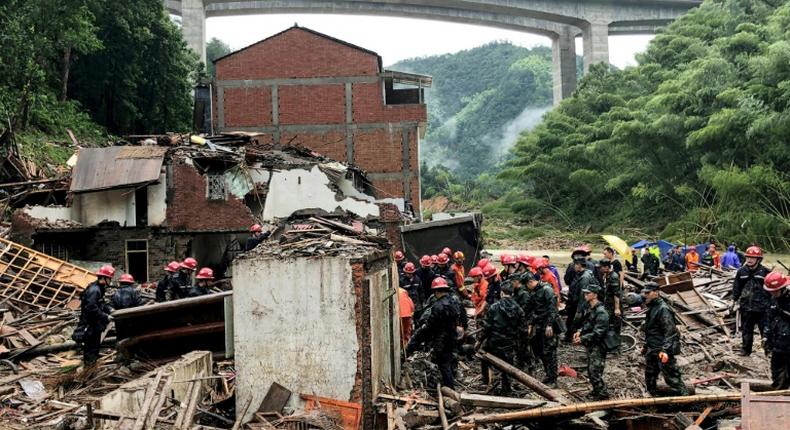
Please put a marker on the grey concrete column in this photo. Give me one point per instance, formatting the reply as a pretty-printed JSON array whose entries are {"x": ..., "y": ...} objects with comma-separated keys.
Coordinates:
[
  {"x": 596, "y": 43},
  {"x": 193, "y": 25},
  {"x": 563, "y": 48}
]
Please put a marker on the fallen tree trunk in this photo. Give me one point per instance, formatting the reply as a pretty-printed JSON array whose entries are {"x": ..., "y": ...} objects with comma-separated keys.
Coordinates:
[
  {"x": 522, "y": 377},
  {"x": 587, "y": 407}
]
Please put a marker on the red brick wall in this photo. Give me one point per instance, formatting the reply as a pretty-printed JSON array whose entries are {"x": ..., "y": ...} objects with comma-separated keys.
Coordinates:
[
  {"x": 248, "y": 107},
  {"x": 313, "y": 104},
  {"x": 297, "y": 53},
  {"x": 368, "y": 106},
  {"x": 379, "y": 150},
  {"x": 189, "y": 210},
  {"x": 331, "y": 144}
]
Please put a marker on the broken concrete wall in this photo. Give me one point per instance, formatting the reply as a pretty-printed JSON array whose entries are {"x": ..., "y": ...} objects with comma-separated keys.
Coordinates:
[
  {"x": 105, "y": 206},
  {"x": 157, "y": 202},
  {"x": 323, "y": 326},
  {"x": 298, "y": 189},
  {"x": 50, "y": 214}
]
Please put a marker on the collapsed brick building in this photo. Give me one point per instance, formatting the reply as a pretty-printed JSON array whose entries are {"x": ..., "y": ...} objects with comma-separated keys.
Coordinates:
[{"x": 303, "y": 87}]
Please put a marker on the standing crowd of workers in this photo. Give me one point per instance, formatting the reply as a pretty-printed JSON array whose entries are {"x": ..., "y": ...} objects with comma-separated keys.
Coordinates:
[{"x": 517, "y": 310}]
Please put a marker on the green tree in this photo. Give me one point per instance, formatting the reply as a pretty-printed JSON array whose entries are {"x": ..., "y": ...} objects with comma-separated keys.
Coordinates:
[{"x": 215, "y": 48}]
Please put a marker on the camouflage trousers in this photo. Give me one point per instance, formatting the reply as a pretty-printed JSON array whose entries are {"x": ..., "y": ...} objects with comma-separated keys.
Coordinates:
[
  {"x": 596, "y": 362},
  {"x": 506, "y": 353},
  {"x": 545, "y": 348},
  {"x": 670, "y": 370}
]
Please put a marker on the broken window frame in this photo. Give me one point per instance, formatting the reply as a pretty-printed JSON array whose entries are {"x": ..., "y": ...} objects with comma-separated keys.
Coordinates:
[
  {"x": 128, "y": 251},
  {"x": 217, "y": 181}
]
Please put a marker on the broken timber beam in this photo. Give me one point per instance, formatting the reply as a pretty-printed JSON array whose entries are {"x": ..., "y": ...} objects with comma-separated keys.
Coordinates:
[
  {"x": 522, "y": 377},
  {"x": 485, "y": 401},
  {"x": 587, "y": 407}
]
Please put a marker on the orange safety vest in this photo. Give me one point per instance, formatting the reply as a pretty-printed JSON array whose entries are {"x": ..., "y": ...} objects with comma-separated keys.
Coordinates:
[
  {"x": 458, "y": 269},
  {"x": 479, "y": 292},
  {"x": 549, "y": 277},
  {"x": 405, "y": 304},
  {"x": 691, "y": 261}
]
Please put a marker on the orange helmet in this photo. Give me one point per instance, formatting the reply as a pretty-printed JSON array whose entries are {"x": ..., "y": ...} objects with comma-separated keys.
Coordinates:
[
  {"x": 442, "y": 258},
  {"x": 189, "y": 263},
  {"x": 476, "y": 271},
  {"x": 409, "y": 268},
  {"x": 425, "y": 260},
  {"x": 458, "y": 255},
  {"x": 205, "y": 273},
  {"x": 106, "y": 271},
  {"x": 126, "y": 279},
  {"x": 439, "y": 283},
  {"x": 399, "y": 256},
  {"x": 754, "y": 251},
  {"x": 775, "y": 281},
  {"x": 256, "y": 228},
  {"x": 172, "y": 266}
]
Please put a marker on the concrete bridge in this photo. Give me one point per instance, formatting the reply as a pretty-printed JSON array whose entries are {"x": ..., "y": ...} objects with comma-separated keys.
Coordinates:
[{"x": 560, "y": 20}]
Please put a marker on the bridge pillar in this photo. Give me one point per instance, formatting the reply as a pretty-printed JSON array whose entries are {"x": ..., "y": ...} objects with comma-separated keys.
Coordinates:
[
  {"x": 563, "y": 48},
  {"x": 596, "y": 43},
  {"x": 193, "y": 26}
]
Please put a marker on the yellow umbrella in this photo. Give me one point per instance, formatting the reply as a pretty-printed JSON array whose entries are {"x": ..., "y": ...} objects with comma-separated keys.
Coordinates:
[{"x": 620, "y": 246}]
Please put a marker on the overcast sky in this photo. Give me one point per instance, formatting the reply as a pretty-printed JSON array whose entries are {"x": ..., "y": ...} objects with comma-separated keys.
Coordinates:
[{"x": 396, "y": 39}]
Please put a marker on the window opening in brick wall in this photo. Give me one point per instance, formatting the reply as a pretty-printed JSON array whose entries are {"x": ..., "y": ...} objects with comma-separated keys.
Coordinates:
[
  {"x": 53, "y": 249},
  {"x": 137, "y": 259},
  {"x": 217, "y": 190}
]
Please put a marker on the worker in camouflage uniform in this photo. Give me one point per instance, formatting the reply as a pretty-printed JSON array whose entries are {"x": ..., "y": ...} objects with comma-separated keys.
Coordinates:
[
  {"x": 613, "y": 294},
  {"x": 595, "y": 323},
  {"x": 662, "y": 344},
  {"x": 575, "y": 304},
  {"x": 503, "y": 326},
  {"x": 521, "y": 294},
  {"x": 543, "y": 327}
]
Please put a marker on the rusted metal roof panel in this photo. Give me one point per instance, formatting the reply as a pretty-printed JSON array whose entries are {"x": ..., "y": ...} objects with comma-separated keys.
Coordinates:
[{"x": 116, "y": 167}]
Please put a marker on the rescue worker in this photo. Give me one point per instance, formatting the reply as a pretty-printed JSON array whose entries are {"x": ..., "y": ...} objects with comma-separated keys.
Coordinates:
[
  {"x": 184, "y": 279},
  {"x": 570, "y": 273},
  {"x": 509, "y": 266},
  {"x": 678, "y": 260},
  {"x": 592, "y": 335},
  {"x": 523, "y": 264},
  {"x": 617, "y": 267},
  {"x": 581, "y": 280},
  {"x": 257, "y": 237},
  {"x": 164, "y": 288},
  {"x": 692, "y": 259},
  {"x": 400, "y": 261},
  {"x": 504, "y": 325},
  {"x": 777, "y": 330},
  {"x": 202, "y": 283},
  {"x": 494, "y": 284},
  {"x": 730, "y": 259},
  {"x": 412, "y": 283},
  {"x": 126, "y": 296},
  {"x": 94, "y": 315},
  {"x": 439, "y": 330},
  {"x": 539, "y": 268},
  {"x": 631, "y": 266},
  {"x": 752, "y": 299},
  {"x": 479, "y": 289},
  {"x": 425, "y": 274},
  {"x": 434, "y": 261},
  {"x": 447, "y": 251},
  {"x": 554, "y": 271},
  {"x": 443, "y": 269},
  {"x": 650, "y": 264},
  {"x": 482, "y": 263},
  {"x": 460, "y": 273},
  {"x": 662, "y": 344},
  {"x": 612, "y": 294},
  {"x": 406, "y": 308},
  {"x": 711, "y": 257},
  {"x": 543, "y": 328}
]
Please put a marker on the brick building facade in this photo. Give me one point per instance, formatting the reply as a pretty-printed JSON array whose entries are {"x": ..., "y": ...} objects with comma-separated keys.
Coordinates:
[{"x": 305, "y": 88}]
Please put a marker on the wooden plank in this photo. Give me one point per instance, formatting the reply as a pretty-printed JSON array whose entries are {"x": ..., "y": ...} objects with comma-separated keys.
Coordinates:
[
  {"x": 189, "y": 415},
  {"x": 442, "y": 414},
  {"x": 485, "y": 401},
  {"x": 147, "y": 400},
  {"x": 276, "y": 398},
  {"x": 32, "y": 341},
  {"x": 160, "y": 401}
]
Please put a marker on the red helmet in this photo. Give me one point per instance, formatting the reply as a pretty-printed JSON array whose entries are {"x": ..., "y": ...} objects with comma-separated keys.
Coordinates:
[
  {"x": 458, "y": 255},
  {"x": 503, "y": 257},
  {"x": 775, "y": 281},
  {"x": 439, "y": 283},
  {"x": 126, "y": 279},
  {"x": 434, "y": 259},
  {"x": 483, "y": 263},
  {"x": 256, "y": 228},
  {"x": 205, "y": 273},
  {"x": 475, "y": 271},
  {"x": 447, "y": 251},
  {"x": 425, "y": 260},
  {"x": 189, "y": 263},
  {"x": 107, "y": 271},
  {"x": 172, "y": 266},
  {"x": 409, "y": 268},
  {"x": 537, "y": 263},
  {"x": 508, "y": 260},
  {"x": 754, "y": 251},
  {"x": 489, "y": 271},
  {"x": 442, "y": 258},
  {"x": 523, "y": 259},
  {"x": 399, "y": 256}
]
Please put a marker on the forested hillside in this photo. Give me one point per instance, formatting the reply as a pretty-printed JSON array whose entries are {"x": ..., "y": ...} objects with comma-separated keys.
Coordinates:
[
  {"x": 693, "y": 143},
  {"x": 481, "y": 98}
]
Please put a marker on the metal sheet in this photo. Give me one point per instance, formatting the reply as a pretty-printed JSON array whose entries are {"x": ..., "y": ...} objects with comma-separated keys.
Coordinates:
[
  {"x": 460, "y": 234},
  {"x": 116, "y": 167}
]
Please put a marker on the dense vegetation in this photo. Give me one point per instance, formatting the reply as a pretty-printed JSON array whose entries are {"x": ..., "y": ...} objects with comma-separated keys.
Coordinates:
[
  {"x": 94, "y": 66},
  {"x": 215, "y": 48},
  {"x": 481, "y": 98},
  {"x": 691, "y": 144}
]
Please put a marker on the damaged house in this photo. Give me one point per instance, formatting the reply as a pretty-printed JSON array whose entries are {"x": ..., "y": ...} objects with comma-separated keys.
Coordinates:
[{"x": 139, "y": 207}]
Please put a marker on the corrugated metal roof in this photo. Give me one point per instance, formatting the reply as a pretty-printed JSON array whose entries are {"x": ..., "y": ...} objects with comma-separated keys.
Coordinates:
[{"x": 116, "y": 167}]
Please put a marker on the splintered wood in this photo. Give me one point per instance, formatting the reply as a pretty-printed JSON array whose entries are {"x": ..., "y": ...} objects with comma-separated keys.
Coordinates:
[{"x": 29, "y": 278}]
